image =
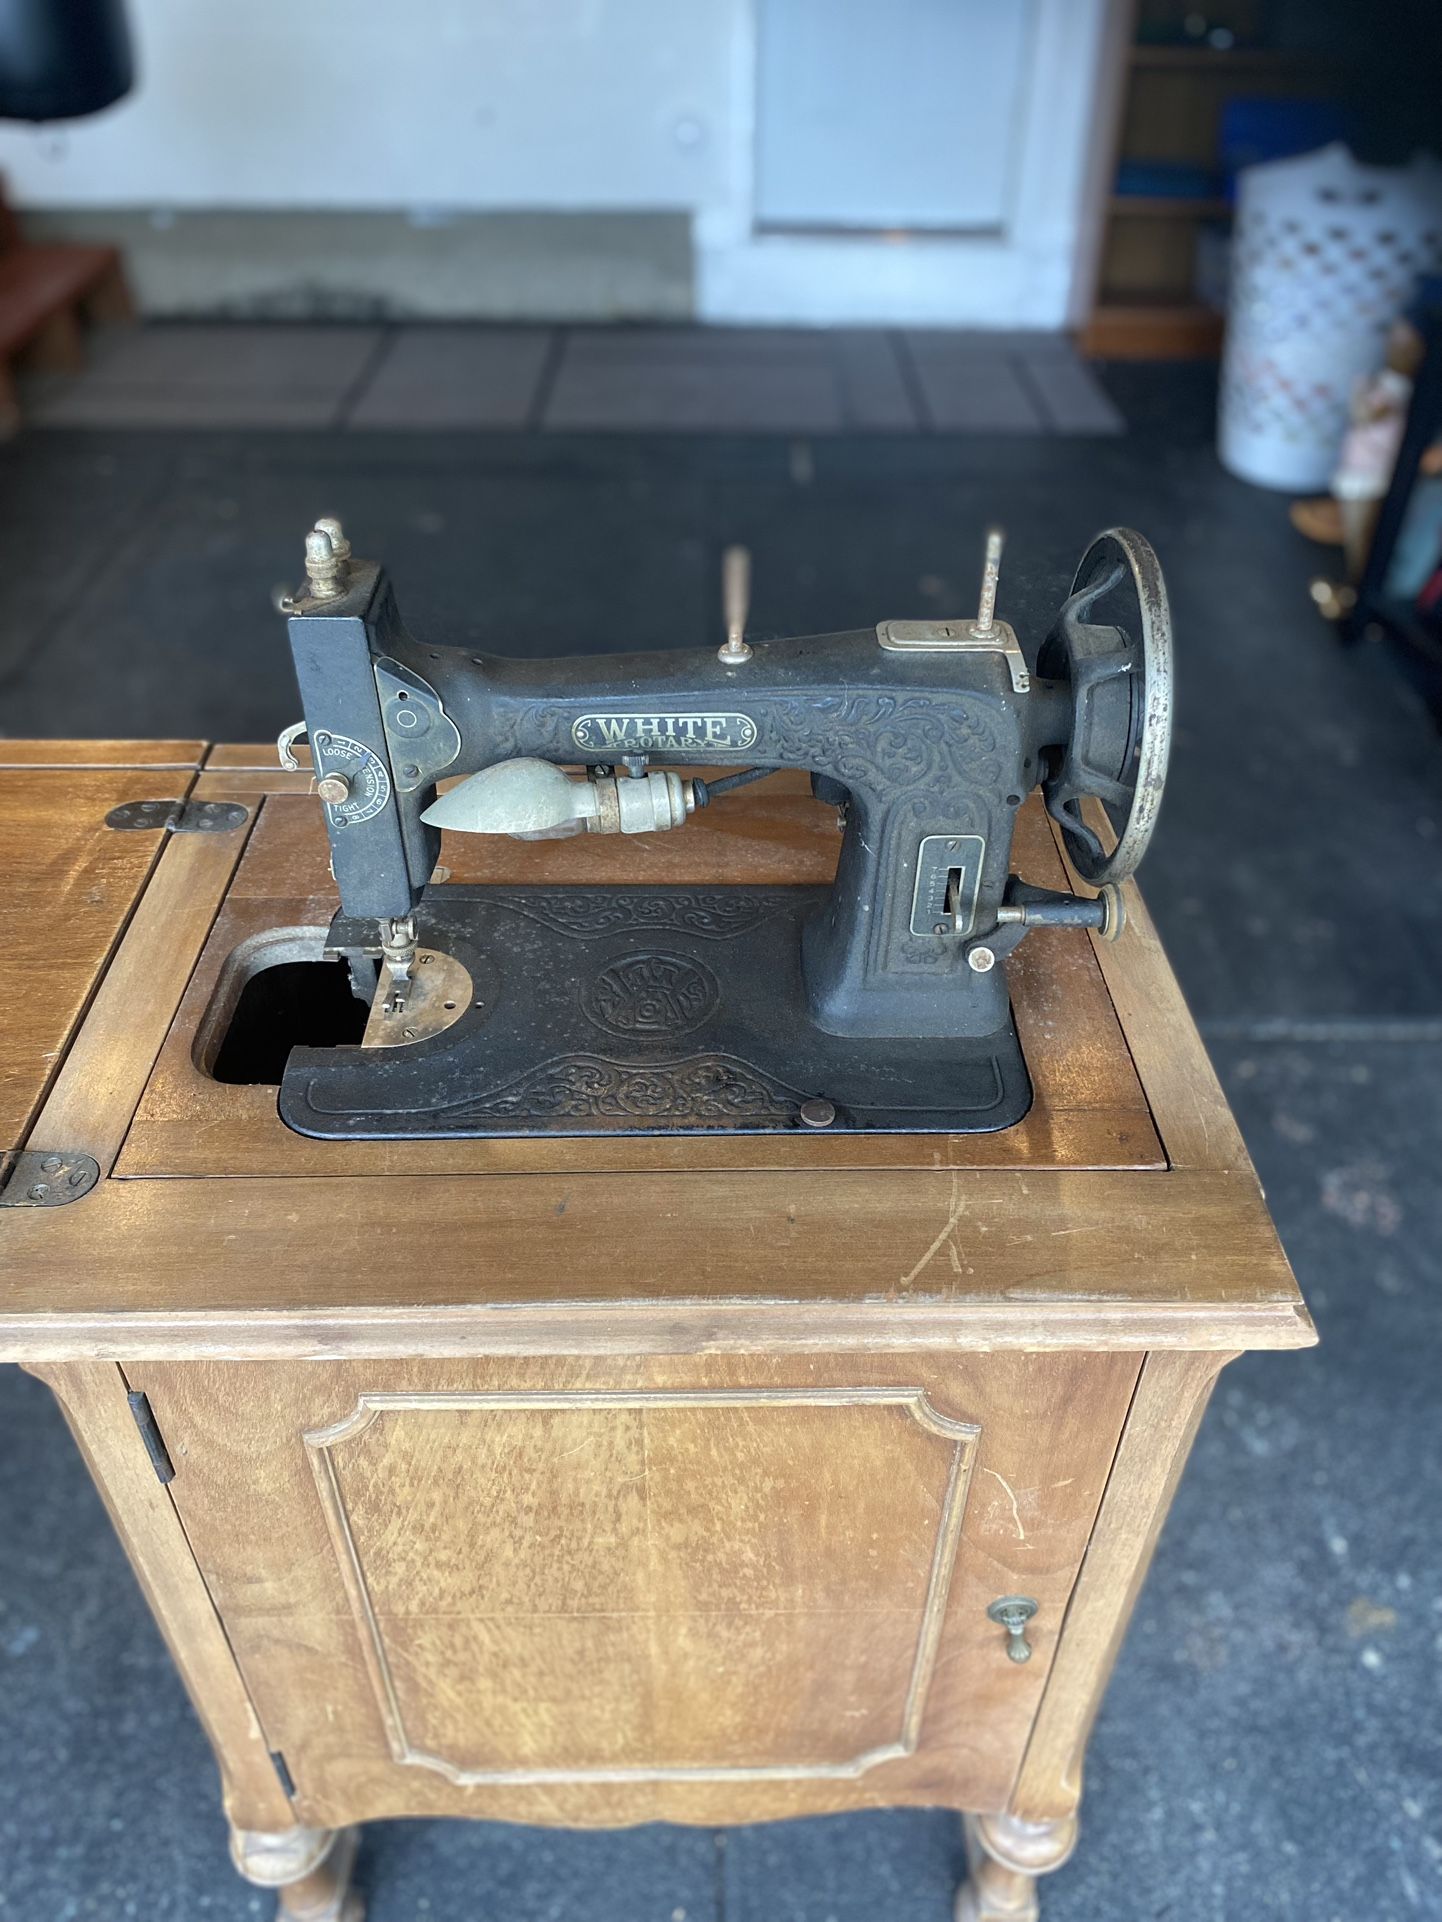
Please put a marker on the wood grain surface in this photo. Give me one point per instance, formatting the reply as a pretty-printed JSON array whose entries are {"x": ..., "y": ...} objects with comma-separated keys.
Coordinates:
[
  {"x": 1186, "y": 1098},
  {"x": 1171, "y": 1397},
  {"x": 92, "y": 1397},
  {"x": 616, "y": 1591},
  {"x": 251, "y": 756},
  {"x": 69, "y": 885},
  {"x": 91, "y": 1105},
  {"x": 492, "y": 1263},
  {"x": 103, "y": 754}
]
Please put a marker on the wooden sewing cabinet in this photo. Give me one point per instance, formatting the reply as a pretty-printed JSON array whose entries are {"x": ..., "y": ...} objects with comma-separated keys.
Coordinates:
[{"x": 597, "y": 1482}]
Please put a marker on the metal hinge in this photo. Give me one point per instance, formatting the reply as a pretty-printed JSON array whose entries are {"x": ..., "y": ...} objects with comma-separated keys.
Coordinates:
[
  {"x": 150, "y": 1434},
  {"x": 180, "y": 817},
  {"x": 48, "y": 1178}
]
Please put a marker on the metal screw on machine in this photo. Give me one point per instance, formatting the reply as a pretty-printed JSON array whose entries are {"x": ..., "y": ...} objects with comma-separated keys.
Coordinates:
[
  {"x": 981, "y": 960},
  {"x": 1013, "y": 1612},
  {"x": 327, "y": 572},
  {"x": 325, "y": 569},
  {"x": 335, "y": 534},
  {"x": 736, "y": 602}
]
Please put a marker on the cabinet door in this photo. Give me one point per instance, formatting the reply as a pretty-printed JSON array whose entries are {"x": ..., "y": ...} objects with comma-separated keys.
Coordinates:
[{"x": 585, "y": 1592}]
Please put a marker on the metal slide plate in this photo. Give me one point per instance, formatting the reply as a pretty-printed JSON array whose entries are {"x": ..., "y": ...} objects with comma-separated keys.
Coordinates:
[{"x": 642, "y": 1011}]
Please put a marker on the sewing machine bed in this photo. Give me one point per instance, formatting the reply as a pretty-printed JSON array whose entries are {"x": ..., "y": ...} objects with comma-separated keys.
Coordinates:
[{"x": 670, "y": 1010}]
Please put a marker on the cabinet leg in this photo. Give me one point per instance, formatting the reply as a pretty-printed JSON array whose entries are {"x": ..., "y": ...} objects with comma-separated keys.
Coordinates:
[
  {"x": 310, "y": 1868},
  {"x": 1004, "y": 1857}
]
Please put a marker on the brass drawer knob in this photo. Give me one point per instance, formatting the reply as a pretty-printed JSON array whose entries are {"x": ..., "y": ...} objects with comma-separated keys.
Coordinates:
[{"x": 1013, "y": 1612}]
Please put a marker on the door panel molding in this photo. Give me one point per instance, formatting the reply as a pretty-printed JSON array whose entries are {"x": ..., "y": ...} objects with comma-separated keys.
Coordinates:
[{"x": 326, "y": 1449}]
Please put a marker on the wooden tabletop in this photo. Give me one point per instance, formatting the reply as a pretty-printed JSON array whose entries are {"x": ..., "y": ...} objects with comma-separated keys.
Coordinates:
[
  {"x": 69, "y": 884},
  {"x": 1123, "y": 1213}
]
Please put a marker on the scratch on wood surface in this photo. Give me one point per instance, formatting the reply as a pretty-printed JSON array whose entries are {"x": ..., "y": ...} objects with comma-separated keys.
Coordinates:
[
  {"x": 955, "y": 1212},
  {"x": 1011, "y": 1497}
]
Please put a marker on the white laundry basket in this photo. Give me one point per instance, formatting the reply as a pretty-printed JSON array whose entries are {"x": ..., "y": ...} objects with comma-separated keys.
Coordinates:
[{"x": 1325, "y": 256}]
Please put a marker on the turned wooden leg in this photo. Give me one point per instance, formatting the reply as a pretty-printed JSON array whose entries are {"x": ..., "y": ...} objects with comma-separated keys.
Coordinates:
[
  {"x": 1004, "y": 1856},
  {"x": 310, "y": 1869}
]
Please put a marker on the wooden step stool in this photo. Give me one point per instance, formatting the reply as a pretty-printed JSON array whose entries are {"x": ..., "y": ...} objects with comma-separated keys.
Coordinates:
[{"x": 47, "y": 296}]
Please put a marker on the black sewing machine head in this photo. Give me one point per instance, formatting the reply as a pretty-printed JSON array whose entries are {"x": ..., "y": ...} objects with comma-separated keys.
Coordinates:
[{"x": 878, "y": 1004}]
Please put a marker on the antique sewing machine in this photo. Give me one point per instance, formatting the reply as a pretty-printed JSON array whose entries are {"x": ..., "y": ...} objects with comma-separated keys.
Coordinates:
[{"x": 879, "y": 1004}]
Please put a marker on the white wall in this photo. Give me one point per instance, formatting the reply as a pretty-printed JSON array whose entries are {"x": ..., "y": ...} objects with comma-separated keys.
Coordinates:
[
  {"x": 397, "y": 103},
  {"x": 571, "y": 104}
]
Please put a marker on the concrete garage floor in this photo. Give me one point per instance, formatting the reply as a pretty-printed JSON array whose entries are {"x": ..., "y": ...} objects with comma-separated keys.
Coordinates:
[{"x": 1270, "y": 1745}]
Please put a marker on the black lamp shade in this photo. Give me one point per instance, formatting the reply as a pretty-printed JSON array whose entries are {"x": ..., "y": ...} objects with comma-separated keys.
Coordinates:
[{"x": 62, "y": 59}]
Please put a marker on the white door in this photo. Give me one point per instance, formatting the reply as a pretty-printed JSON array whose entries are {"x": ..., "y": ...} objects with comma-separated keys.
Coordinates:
[
  {"x": 906, "y": 162},
  {"x": 892, "y": 114}
]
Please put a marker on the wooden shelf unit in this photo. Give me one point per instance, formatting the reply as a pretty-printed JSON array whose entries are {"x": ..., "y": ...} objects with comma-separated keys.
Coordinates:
[
  {"x": 1169, "y": 207},
  {"x": 1230, "y": 60},
  {"x": 1169, "y": 105},
  {"x": 1153, "y": 330}
]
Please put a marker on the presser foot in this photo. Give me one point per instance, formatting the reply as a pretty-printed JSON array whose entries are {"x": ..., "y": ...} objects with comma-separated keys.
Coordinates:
[{"x": 606, "y": 1011}]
